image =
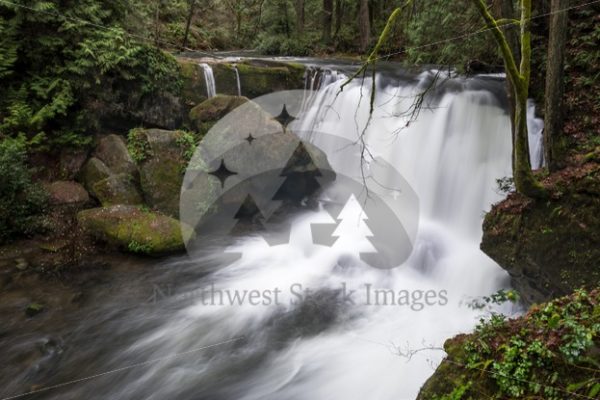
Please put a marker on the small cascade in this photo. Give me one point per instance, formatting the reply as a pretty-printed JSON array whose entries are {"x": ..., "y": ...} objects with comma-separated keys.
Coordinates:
[
  {"x": 209, "y": 78},
  {"x": 237, "y": 80},
  {"x": 535, "y": 127}
]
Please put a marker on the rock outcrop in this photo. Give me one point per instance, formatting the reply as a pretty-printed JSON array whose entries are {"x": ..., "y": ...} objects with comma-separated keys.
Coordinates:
[
  {"x": 257, "y": 77},
  {"x": 550, "y": 247}
]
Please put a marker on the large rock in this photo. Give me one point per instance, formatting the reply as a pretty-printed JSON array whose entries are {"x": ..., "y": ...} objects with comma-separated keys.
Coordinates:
[
  {"x": 162, "y": 166},
  {"x": 112, "y": 151},
  {"x": 71, "y": 161},
  {"x": 92, "y": 172},
  {"x": 118, "y": 189},
  {"x": 550, "y": 247},
  {"x": 133, "y": 229},
  {"x": 206, "y": 114},
  {"x": 66, "y": 192},
  {"x": 161, "y": 111}
]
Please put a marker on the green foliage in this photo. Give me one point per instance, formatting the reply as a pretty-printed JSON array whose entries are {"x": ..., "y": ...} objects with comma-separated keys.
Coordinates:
[
  {"x": 64, "y": 66},
  {"x": 500, "y": 297},
  {"x": 543, "y": 352},
  {"x": 434, "y": 20},
  {"x": 282, "y": 45},
  {"x": 21, "y": 202},
  {"x": 457, "y": 393},
  {"x": 187, "y": 142},
  {"x": 137, "y": 145},
  {"x": 139, "y": 248}
]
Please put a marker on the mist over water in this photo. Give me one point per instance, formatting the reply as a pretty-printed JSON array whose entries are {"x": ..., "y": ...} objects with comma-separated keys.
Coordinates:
[{"x": 339, "y": 340}]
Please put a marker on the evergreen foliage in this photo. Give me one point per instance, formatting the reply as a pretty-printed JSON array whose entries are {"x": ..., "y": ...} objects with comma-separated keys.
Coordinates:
[{"x": 65, "y": 65}]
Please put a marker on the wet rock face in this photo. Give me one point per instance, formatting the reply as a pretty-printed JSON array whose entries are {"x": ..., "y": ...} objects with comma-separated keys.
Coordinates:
[
  {"x": 549, "y": 248},
  {"x": 133, "y": 229}
]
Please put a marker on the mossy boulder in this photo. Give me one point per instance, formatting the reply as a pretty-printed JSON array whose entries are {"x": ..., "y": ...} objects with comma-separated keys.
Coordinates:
[
  {"x": 93, "y": 171},
  {"x": 112, "y": 151},
  {"x": 549, "y": 247},
  {"x": 118, "y": 189},
  {"x": 162, "y": 157},
  {"x": 133, "y": 229},
  {"x": 206, "y": 114}
]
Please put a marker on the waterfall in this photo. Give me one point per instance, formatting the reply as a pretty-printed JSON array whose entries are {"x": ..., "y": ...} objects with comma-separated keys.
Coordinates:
[
  {"x": 535, "y": 127},
  {"x": 237, "y": 80},
  {"x": 451, "y": 153},
  {"x": 209, "y": 79}
]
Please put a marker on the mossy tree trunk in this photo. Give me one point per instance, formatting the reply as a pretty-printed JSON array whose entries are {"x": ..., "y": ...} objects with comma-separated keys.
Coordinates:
[
  {"x": 525, "y": 181},
  {"x": 553, "y": 112}
]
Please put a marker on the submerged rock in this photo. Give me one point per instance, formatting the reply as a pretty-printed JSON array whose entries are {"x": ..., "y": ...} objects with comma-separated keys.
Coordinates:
[{"x": 133, "y": 229}]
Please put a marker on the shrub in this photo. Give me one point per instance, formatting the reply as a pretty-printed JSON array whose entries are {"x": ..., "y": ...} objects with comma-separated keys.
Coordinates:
[{"x": 21, "y": 201}]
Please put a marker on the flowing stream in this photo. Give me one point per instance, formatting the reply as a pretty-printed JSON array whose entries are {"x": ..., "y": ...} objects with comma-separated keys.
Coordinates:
[
  {"x": 320, "y": 347},
  {"x": 209, "y": 78}
]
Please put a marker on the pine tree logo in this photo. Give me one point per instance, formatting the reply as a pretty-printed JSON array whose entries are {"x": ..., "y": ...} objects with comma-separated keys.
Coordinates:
[{"x": 352, "y": 232}]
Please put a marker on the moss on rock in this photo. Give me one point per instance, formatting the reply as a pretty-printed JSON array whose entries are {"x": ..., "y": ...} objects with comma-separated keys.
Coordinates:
[
  {"x": 162, "y": 156},
  {"x": 206, "y": 114},
  {"x": 133, "y": 229},
  {"x": 552, "y": 352},
  {"x": 118, "y": 189}
]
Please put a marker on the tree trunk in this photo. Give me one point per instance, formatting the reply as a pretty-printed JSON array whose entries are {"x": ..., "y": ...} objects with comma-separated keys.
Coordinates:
[
  {"x": 525, "y": 181},
  {"x": 553, "y": 112},
  {"x": 364, "y": 26},
  {"x": 188, "y": 23},
  {"x": 300, "y": 17},
  {"x": 339, "y": 14},
  {"x": 157, "y": 25},
  {"x": 327, "y": 20},
  {"x": 505, "y": 9}
]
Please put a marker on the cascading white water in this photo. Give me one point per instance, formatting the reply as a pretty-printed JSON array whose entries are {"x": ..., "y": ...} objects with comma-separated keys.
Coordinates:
[
  {"x": 237, "y": 80},
  {"x": 326, "y": 349},
  {"x": 535, "y": 127},
  {"x": 209, "y": 79}
]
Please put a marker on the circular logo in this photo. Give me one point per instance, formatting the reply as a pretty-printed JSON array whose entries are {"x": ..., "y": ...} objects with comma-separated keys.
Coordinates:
[{"x": 266, "y": 163}]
